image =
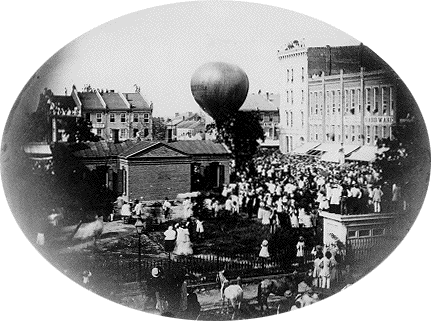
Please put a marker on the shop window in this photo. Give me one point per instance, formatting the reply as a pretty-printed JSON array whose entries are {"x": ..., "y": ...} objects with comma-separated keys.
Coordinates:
[
  {"x": 364, "y": 233},
  {"x": 351, "y": 234},
  {"x": 378, "y": 231}
]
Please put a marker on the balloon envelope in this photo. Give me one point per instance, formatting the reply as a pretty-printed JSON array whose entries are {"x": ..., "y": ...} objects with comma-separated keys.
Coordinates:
[{"x": 219, "y": 88}]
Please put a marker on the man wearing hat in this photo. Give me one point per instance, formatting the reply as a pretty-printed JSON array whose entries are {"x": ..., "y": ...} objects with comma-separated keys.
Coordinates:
[{"x": 155, "y": 285}]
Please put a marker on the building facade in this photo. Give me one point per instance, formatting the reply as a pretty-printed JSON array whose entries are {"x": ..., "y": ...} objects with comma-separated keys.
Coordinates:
[
  {"x": 267, "y": 105},
  {"x": 339, "y": 95},
  {"x": 116, "y": 116},
  {"x": 350, "y": 111}
]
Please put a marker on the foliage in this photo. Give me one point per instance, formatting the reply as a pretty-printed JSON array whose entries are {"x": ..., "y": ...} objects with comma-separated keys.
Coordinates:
[
  {"x": 406, "y": 155},
  {"x": 159, "y": 128},
  {"x": 240, "y": 132},
  {"x": 79, "y": 130}
]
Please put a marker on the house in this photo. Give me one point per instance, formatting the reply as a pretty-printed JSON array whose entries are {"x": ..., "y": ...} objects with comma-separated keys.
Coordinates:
[
  {"x": 154, "y": 170},
  {"x": 267, "y": 105},
  {"x": 185, "y": 126}
]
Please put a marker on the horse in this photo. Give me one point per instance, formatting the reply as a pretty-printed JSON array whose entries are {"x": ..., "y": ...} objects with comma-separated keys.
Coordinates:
[
  {"x": 233, "y": 293},
  {"x": 286, "y": 286}
]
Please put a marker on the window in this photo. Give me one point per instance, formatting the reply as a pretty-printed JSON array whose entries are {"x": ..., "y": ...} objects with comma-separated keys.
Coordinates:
[
  {"x": 359, "y": 102},
  {"x": 291, "y": 97},
  {"x": 368, "y": 134},
  {"x": 321, "y": 102},
  {"x": 123, "y": 133},
  {"x": 333, "y": 133},
  {"x": 346, "y": 132},
  {"x": 378, "y": 231},
  {"x": 391, "y": 101},
  {"x": 146, "y": 118},
  {"x": 291, "y": 119},
  {"x": 88, "y": 117},
  {"x": 292, "y": 75},
  {"x": 316, "y": 103},
  {"x": 135, "y": 117},
  {"x": 339, "y": 100},
  {"x": 384, "y": 132},
  {"x": 99, "y": 132},
  {"x": 288, "y": 75},
  {"x": 376, "y": 134},
  {"x": 376, "y": 100},
  {"x": 302, "y": 96},
  {"x": 287, "y": 96},
  {"x": 364, "y": 233},
  {"x": 123, "y": 117},
  {"x": 112, "y": 118},
  {"x": 302, "y": 119},
  {"x": 346, "y": 101},
  {"x": 328, "y": 102},
  {"x": 351, "y": 234},
  {"x": 359, "y": 132},
  {"x": 368, "y": 99},
  {"x": 302, "y": 74},
  {"x": 385, "y": 98},
  {"x": 352, "y": 131},
  {"x": 287, "y": 118},
  {"x": 99, "y": 117}
]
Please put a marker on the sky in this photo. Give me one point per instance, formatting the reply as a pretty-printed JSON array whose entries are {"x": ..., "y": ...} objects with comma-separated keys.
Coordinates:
[{"x": 160, "y": 48}]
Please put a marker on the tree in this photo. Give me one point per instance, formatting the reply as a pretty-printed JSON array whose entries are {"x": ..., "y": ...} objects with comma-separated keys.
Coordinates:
[
  {"x": 159, "y": 128},
  {"x": 79, "y": 130},
  {"x": 407, "y": 161},
  {"x": 240, "y": 132}
]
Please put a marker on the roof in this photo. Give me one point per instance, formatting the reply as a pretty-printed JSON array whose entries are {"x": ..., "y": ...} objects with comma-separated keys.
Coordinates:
[
  {"x": 137, "y": 102},
  {"x": 114, "y": 101},
  {"x": 90, "y": 100},
  {"x": 138, "y": 147},
  {"x": 65, "y": 102},
  {"x": 200, "y": 147},
  {"x": 258, "y": 103},
  {"x": 102, "y": 149},
  {"x": 190, "y": 124}
]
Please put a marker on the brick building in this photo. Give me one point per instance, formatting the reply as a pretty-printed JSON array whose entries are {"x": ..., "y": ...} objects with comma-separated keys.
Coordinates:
[
  {"x": 114, "y": 116},
  {"x": 267, "y": 104},
  {"x": 155, "y": 170},
  {"x": 332, "y": 96}
]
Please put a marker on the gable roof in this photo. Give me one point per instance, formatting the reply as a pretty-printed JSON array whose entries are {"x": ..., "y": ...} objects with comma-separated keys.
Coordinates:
[
  {"x": 137, "y": 101},
  {"x": 257, "y": 102},
  {"x": 90, "y": 101},
  {"x": 190, "y": 124},
  {"x": 114, "y": 101},
  {"x": 138, "y": 147},
  {"x": 200, "y": 147},
  {"x": 65, "y": 102},
  {"x": 102, "y": 149}
]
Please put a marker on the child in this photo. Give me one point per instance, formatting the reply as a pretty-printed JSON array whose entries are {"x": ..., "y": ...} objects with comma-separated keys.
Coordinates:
[
  {"x": 325, "y": 272},
  {"x": 199, "y": 228},
  {"x": 86, "y": 278},
  {"x": 300, "y": 246},
  {"x": 317, "y": 269},
  {"x": 263, "y": 254}
]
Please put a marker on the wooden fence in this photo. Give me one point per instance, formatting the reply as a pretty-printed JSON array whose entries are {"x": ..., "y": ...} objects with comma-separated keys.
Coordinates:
[{"x": 369, "y": 249}]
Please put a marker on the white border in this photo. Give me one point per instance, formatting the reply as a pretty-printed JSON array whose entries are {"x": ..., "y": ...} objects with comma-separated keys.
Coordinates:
[{"x": 33, "y": 30}]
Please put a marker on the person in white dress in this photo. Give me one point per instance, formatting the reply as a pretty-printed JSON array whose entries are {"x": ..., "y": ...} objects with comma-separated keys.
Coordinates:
[{"x": 183, "y": 245}]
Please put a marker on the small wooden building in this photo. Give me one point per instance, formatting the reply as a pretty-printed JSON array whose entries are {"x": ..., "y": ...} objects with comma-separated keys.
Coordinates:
[{"x": 153, "y": 170}]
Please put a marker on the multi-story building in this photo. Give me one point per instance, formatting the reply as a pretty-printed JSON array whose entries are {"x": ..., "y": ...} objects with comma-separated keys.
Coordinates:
[
  {"x": 350, "y": 111},
  {"x": 116, "y": 116},
  {"x": 334, "y": 95},
  {"x": 267, "y": 105},
  {"x": 185, "y": 126}
]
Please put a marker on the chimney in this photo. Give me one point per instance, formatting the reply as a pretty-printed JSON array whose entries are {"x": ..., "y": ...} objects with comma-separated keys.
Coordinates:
[{"x": 267, "y": 95}]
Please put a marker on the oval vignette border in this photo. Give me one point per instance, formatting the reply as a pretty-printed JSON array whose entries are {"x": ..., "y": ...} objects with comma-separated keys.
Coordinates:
[{"x": 22, "y": 273}]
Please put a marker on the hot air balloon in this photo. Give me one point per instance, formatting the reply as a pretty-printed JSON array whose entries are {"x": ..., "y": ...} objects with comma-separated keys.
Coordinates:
[{"x": 219, "y": 88}]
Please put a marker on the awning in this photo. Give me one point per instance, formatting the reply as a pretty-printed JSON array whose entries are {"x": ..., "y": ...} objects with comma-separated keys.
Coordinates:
[
  {"x": 304, "y": 148},
  {"x": 333, "y": 153},
  {"x": 366, "y": 153}
]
